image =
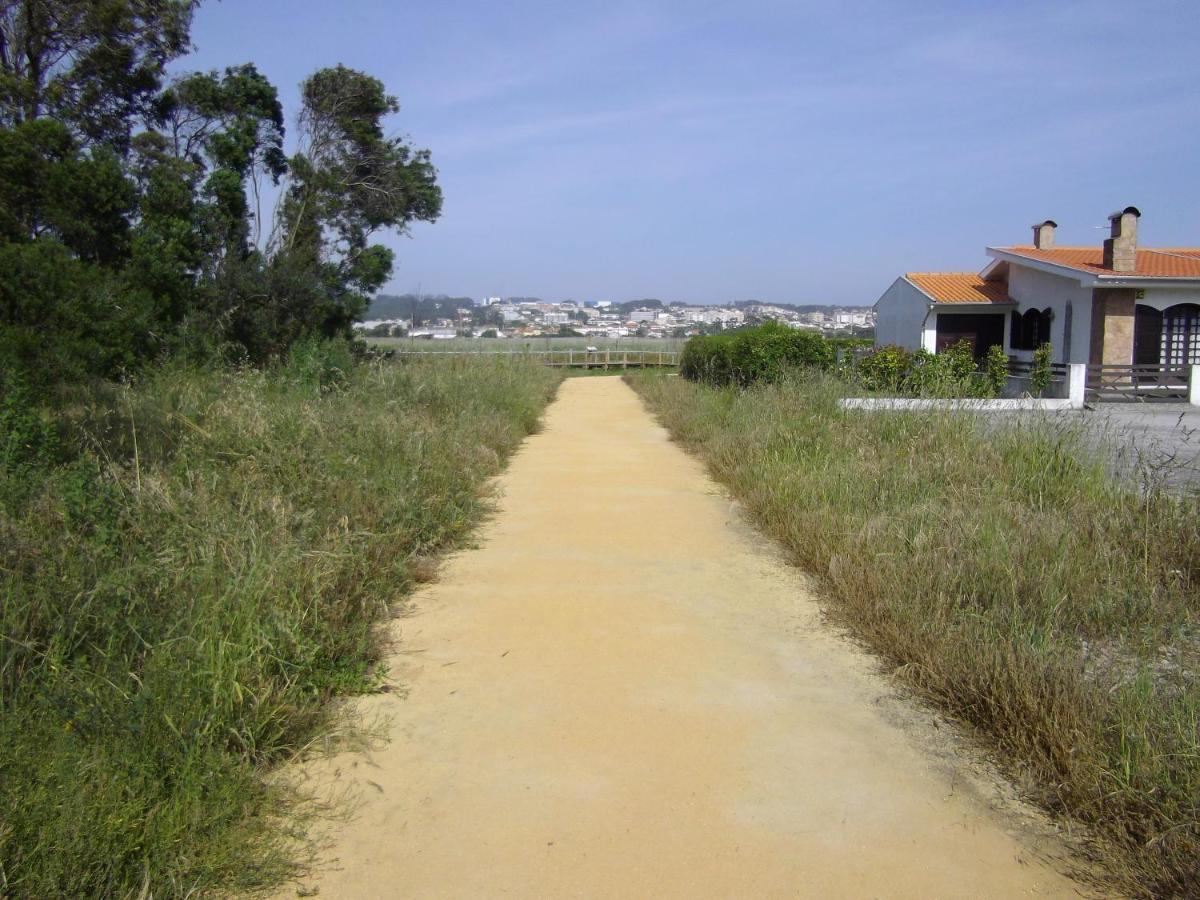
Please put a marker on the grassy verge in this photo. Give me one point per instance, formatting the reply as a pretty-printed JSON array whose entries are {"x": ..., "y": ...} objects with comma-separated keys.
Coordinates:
[
  {"x": 1017, "y": 586},
  {"x": 188, "y": 573}
]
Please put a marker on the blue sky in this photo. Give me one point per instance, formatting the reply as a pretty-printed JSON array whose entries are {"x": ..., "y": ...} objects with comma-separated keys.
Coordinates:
[{"x": 783, "y": 151}]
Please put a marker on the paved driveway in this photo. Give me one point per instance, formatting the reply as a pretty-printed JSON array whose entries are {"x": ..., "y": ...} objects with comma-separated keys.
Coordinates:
[{"x": 1150, "y": 442}]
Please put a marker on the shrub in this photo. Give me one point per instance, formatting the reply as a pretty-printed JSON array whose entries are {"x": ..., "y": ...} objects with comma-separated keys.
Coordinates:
[
  {"x": 319, "y": 364},
  {"x": 995, "y": 369},
  {"x": 28, "y": 438},
  {"x": 754, "y": 354},
  {"x": 951, "y": 373},
  {"x": 1039, "y": 372},
  {"x": 886, "y": 368},
  {"x": 958, "y": 361}
]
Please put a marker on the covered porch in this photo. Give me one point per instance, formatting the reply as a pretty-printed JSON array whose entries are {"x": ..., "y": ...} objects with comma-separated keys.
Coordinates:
[{"x": 982, "y": 327}]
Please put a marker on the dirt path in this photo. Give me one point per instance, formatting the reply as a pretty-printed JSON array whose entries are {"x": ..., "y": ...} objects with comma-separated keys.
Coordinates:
[{"x": 623, "y": 694}]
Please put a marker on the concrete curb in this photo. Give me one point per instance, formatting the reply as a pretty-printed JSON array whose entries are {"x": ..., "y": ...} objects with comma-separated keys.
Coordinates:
[{"x": 902, "y": 404}]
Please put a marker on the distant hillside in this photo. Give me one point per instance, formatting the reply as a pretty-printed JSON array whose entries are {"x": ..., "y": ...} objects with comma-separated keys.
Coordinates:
[{"x": 420, "y": 309}]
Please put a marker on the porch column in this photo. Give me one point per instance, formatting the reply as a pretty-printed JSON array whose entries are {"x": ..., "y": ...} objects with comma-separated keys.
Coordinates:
[
  {"x": 1112, "y": 326},
  {"x": 929, "y": 333}
]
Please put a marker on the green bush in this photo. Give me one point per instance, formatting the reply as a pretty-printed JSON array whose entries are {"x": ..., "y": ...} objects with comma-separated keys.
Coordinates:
[
  {"x": 951, "y": 373},
  {"x": 28, "y": 438},
  {"x": 995, "y": 369},
  {"x": 754, "y": 354},
  {"x": 318, "y": 364},
  {"x": 1039, "y": 372},
  {"x": 885, "y": 369}
]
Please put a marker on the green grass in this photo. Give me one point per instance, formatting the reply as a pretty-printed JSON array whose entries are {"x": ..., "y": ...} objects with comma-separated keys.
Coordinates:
[
  {"x": 194, "y": 579},
  {"x": 1003, "y": 576}
]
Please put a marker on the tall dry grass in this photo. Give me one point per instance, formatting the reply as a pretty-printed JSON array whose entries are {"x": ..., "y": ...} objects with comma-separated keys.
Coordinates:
[
  {"x": 1005, "y": 576},
  {"x": 183, "y": 592}
]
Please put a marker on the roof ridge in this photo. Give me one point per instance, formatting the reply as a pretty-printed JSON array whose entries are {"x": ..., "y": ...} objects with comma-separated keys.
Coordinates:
[
  {"x": 1096, "y": 248},
  {"x": 957, "y": 272},
  {"x": 1175, "y": 252}
]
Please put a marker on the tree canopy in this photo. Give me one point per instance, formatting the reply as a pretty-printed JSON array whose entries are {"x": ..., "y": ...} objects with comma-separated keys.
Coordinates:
[{"x": 131, "y": 225}]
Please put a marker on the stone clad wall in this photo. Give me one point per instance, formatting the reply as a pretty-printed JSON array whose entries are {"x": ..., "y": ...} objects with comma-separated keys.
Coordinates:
[{"x": 1112, "y": 326}]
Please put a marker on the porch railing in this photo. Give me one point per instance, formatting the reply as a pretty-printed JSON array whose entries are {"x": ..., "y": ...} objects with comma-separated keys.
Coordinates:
[
  {"x": 1023, "y": 368},
  {"x": 1106, "y": 383}
]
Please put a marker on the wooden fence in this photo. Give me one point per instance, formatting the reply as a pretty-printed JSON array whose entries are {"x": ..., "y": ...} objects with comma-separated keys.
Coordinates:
[
  {"x": 1137, "y": 383},
  {"x": 573, "y": 359},
  {"x": 1023, "y": 369}
]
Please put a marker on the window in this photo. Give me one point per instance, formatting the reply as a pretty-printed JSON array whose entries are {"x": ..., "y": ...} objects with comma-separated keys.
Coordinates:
[{"x": 1031, "y": 330}]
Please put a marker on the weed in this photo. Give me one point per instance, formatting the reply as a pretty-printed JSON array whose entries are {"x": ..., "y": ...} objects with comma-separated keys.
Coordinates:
[
  {"x": 183, "y": 592},
  {"x": 1007, "y": 576}
]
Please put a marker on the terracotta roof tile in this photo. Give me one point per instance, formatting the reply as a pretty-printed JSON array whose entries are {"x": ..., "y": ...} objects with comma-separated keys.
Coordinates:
[
  {"x": 959, "y": 287},
  {"x": 1152, "y": 262}
]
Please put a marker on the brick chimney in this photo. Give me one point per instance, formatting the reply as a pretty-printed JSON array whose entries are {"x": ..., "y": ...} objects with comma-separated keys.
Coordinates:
[
  {"x": 1043, "y": 234},
  {"x": 1120, "y": 250}
]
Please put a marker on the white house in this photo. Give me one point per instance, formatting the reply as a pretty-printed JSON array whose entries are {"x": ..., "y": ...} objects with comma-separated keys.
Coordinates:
[{"x": 1116, "y": 304}]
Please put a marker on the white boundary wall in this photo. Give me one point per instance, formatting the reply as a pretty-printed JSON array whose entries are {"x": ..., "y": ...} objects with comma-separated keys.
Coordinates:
[
  {"x": 906, "y": 403},
  {"x": 1076, "y": 380}
]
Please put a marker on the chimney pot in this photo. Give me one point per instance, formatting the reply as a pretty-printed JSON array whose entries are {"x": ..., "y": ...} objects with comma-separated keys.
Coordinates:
[
  {"x": 1043, "y": 234},
  {"x": 1120, "y": 250}
]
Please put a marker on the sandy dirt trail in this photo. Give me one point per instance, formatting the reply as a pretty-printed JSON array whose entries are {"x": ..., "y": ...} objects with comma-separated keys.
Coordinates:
[{"x": 623, "y": 693}]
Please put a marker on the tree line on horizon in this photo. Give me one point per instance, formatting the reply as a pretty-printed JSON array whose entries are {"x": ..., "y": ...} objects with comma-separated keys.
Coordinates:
[{"x": 130, "y": 221}]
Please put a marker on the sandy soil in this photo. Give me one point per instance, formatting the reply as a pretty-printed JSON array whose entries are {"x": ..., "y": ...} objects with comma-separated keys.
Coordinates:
[{"x": 623, "y": 693}]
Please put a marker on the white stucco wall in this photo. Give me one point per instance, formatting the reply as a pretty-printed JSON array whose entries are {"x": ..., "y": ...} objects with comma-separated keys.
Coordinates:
[
  {"x": 1038, "y": 290},
  {"x": 1161, "y": 298},
  {"x": 900, "y": 316}
]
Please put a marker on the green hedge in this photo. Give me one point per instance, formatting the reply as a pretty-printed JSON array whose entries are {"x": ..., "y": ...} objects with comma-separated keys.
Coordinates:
[
  {"x": 955, "y": 372},
  {"x": 753, "y": 354}
]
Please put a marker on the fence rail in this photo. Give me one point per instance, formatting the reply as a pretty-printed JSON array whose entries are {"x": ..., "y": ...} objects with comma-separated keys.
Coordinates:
[
  {"x": 1023, "y": 368},
  {"x": 1137, "y": 383},
  {"x": 574, "y": 359}
]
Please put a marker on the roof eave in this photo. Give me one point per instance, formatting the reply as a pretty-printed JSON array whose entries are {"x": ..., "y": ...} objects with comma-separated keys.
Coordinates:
[
  {"x": 932, "y": 301},
  {"x": 1088, "y": 278},
  {"x": 999, "y": 253},
  {"x": 1143, "y": 281}
]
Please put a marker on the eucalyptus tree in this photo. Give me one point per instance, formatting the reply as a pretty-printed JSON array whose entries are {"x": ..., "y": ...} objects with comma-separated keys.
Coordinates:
[
  {"x": 94, "y": 65},
  {"x": 130, "y": 203},
  {"x": 349, "y": 180}
]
